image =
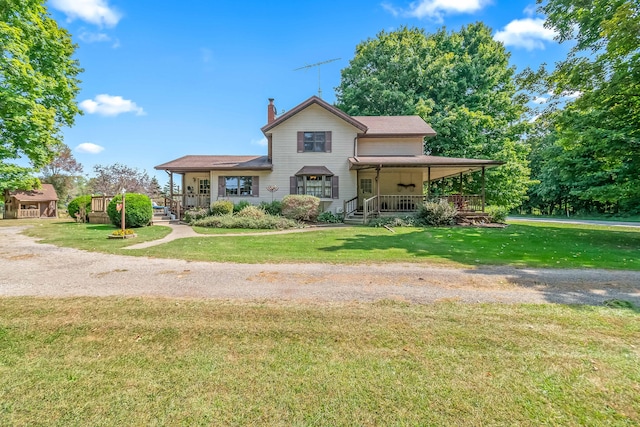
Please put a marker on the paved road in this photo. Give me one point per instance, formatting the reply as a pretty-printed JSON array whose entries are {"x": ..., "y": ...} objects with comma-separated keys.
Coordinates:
[
  {"x": 577, "y": 221},
  {"x": 30, "y": 268}
]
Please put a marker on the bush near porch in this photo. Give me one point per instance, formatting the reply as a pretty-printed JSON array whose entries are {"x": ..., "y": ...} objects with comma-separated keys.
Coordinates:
[{"x": 138, "y": 210}]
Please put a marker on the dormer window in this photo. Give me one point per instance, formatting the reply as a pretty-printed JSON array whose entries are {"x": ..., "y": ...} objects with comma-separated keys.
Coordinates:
[{"x": 314, "y": 142}]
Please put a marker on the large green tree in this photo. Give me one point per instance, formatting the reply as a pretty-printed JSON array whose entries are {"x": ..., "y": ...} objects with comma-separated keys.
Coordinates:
[
  {"x": 598, "y": 134},
  {"x": 38, "y": 87},
  {"x": 460, "y": 83},
  {"x": 63, "y": 173}
]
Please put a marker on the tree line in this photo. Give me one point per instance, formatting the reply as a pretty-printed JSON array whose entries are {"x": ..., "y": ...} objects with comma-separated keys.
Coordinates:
[{"x": 577, "y": 153}]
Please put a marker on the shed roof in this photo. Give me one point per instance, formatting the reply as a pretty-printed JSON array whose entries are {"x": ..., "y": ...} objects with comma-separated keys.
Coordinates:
[{"x": 44, "y": 194}]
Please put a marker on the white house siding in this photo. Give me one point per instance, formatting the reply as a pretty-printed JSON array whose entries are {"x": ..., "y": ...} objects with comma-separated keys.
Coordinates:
[
  {"x": 390, "y": 146},
  {"x": 287, "y": 161}
]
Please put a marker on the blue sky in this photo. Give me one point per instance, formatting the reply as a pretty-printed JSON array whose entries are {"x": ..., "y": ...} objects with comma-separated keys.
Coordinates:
[{"x": 167, "y": 79}]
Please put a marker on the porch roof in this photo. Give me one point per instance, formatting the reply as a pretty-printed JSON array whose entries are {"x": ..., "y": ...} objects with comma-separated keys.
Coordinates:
[
  {"x": 207, "y": 163},
  {"x": 441, "y": 167}
]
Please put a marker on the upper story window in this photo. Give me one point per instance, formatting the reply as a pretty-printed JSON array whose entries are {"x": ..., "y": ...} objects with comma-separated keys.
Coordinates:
[{"x": 314, "y": 142}]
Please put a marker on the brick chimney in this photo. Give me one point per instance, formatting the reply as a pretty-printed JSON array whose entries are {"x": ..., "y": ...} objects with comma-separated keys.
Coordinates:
[{"x": 271, "y": 111}]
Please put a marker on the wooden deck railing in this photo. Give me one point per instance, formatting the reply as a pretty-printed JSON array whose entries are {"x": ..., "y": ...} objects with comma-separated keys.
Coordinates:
[
  {"x": 28, "y": 213},
  {"x": 100, "y": 203},
  {"x": 470, "y": 203}
]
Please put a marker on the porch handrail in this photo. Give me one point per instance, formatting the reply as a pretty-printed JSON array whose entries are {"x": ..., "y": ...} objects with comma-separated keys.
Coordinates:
[
  {"x": 350, "y": 206},
  {"x": 368, "y": 207}
]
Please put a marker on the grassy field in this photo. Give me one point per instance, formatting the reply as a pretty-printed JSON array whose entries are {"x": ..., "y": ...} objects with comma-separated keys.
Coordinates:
[
  {"x": 532, "y": 244},
  {"x": 183, "y": 362}
]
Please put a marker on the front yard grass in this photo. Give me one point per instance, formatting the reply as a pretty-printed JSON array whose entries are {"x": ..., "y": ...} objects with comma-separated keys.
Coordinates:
[
  {"x": 116, "y": 361},
  {"x": 531, "y": 244}
]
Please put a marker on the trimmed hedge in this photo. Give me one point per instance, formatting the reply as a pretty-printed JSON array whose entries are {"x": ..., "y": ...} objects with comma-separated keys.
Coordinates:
[
  {"x": 300, "y": 207},
  {"x": 234, "y": 221},
  {"x": 74, "y": 206},
  {"x": 221, "y": 207},
  {"x": 138, "y": 210}
]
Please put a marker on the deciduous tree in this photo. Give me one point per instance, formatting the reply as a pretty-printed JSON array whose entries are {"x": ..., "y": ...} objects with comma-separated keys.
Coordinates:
[
  {"x": 598, "y": 134},
  {"x": 38, "y": 87},
  {"x": 62, "y": 172},
  {"x": 460, "y": 83}
]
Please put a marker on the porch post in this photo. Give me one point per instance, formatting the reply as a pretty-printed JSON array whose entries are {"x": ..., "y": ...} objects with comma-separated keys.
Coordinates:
[
  {"x": 378, "y": 189},
  {"x": 428, "y": 182},
  {"x": 461, "y": 183},
  {"x": 483, "y": 180}
]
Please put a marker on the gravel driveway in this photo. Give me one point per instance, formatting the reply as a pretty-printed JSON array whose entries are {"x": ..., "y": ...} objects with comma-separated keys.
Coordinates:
[{"x": 31, "y": 268}]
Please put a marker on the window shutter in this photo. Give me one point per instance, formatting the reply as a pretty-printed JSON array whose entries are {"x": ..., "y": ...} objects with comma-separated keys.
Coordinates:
[
  {"x": 255, "y": 186},
  {"x": 300, "y": 142},
  {"x": 334, "y": 187},
  {"x": 293, "y": 183},
  {"x": 221, "y": 186},
  {"x": 327, "y": 141}
]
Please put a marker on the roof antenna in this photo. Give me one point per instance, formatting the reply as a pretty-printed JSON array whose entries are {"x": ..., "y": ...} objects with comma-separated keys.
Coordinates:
[{"x": 318, "y": 64}]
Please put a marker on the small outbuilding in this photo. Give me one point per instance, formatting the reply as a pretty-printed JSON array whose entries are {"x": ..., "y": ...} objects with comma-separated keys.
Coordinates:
[{"x": 39, "y": 203}]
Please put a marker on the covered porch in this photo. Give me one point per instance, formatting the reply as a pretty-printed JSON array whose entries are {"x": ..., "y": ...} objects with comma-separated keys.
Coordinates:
[{"x": 400, "y": 184}]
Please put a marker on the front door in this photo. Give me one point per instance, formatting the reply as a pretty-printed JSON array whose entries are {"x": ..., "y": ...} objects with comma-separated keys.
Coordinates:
[{"x": 365, "y": 190}]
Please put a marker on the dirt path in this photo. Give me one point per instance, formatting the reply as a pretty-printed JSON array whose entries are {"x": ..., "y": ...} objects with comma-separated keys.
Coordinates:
[{"x": 31, "y": 268}]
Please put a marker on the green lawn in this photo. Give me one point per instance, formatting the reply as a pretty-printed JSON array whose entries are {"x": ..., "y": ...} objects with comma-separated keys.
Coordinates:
[
  {"x": 531, "y": 244},
  {"x": 108, "y": 361}
]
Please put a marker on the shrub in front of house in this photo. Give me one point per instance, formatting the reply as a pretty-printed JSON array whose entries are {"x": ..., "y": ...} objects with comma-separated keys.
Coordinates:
[
  {"x": 329, "y": 218},
  {"x": 267, "y": 222},
  {"x": 497, "y": 214},
  {"x": 74, "y": 206},
  {"x": 251, "y": 212},
  {"x": 138, "y": 210},
  {"x": 221, "y": 207},
  {"x": 393, "y": 221},
  {"x": 191, "y": 215},
  {"x": 272, "y": 208},
  {"x": 300, "y": 207},
  {"x": 237, "y": 207},
  {"x": 436, "y": 214}
]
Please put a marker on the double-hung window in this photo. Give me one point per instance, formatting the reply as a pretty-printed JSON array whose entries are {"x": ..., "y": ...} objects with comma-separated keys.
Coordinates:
[
  {"x": 314, "y": 142},
  {"x": 232, "y": 186}
]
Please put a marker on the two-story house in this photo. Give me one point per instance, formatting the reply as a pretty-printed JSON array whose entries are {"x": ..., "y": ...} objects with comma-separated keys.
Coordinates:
[{"x": 371, "y": 164}]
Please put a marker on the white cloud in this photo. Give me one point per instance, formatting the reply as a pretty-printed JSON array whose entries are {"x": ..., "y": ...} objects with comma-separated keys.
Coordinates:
[
  {"x": 528, "y": 33},
  {"x": 107, "y": 105},
  {"x": 96, "y": 12},
  {"x": 539, "y": 100},
  {"x": 261, "y": 142},
  {"x": 90, "y": 148},
  {"x": 436, "y": 9},
  {"x": 89, "y": 37},
  {"x": 530, "y": 10}
]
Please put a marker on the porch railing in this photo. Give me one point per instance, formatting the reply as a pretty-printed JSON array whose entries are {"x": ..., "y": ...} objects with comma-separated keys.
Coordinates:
[
  {"x": 28, "y": 213},
  {"x": 470, "y": 203},
  {"x": 350, "y": 206},
  {"x": 389, "y": 203}
]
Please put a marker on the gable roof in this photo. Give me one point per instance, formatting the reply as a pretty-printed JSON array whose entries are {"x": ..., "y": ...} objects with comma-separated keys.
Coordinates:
[
  {"x": 207, "y": 163},
  {"x": 317, "y": 101},
  {"x": 44, "y": 194},
  {"x": 385, "y": 126}
]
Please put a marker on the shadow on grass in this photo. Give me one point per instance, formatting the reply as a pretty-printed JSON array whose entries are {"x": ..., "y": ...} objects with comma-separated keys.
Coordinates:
[{"x": 566, "y": 265}]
